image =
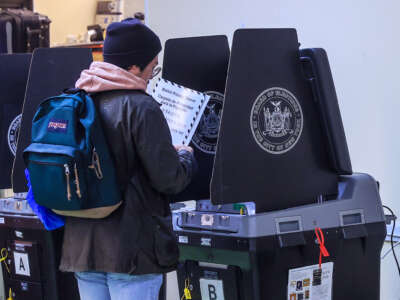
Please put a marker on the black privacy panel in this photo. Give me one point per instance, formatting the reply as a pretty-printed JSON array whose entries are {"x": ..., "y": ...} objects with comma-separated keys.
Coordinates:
[
  {"x": 14, "y": 70},
  {"x": 271, "y": 149},
  {"x": 318, "y": 72},
  {"x": 200, "y": 63},
  {"x": 52, "y": 70}
]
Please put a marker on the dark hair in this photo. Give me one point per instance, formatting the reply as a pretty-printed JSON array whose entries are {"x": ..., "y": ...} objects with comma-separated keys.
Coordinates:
[{"x": 139, "y": 15}]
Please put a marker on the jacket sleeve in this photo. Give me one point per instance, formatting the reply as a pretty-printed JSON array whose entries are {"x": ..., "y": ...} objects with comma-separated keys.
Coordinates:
[{"x": 169, "y": 171}]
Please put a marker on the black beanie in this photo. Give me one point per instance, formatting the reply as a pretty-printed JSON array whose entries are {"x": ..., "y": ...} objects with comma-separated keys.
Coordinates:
[{"x": 129, "y": 43}]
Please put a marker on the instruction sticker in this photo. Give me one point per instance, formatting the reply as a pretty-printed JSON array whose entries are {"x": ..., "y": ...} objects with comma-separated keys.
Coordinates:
[
  {"x": 21, "y": 262},
  {"x": 311, "y": 283}
]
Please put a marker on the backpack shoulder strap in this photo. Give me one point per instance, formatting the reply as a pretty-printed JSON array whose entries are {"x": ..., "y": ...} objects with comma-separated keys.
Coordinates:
[{"x": 73, "y": 91}]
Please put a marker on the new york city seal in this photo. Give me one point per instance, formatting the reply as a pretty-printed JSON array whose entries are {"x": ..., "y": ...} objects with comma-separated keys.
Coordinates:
[
  {"x": 206, "y": 135},
  {"x": 276, "y": 120},
  {"x": 12, "y": 136}
]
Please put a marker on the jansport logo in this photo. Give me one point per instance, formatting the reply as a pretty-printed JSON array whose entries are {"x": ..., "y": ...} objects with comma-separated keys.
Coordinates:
[
  {"x": 58, "y": 126},
  {"x": 276, "y": 120}
]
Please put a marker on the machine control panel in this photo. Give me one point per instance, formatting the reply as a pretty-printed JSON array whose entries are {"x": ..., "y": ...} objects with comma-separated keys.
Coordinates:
[
  {"x": 209, "y": 221},
  {"x": 219, "y": 218},
  {"x": 15, "y": 206},
  {"x": 246, "y": 208}
]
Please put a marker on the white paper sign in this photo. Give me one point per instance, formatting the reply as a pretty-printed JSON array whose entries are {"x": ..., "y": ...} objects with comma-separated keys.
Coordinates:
[
  {"x": 182, "y": 108},
  {"x": 183, "y": 239},
  {"x": 21, "y": 262},
  {"x": 311, "y": 283},
  {"x": 211, "y": 289}
]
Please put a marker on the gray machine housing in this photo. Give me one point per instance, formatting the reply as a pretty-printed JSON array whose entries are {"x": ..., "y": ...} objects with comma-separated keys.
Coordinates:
[{"x": 358, "y": 203}]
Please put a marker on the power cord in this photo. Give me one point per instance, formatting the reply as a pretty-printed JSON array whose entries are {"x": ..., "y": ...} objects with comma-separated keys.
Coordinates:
[
  {"x": 391, "y": 236},
  {"x": 389, "y": 250}
]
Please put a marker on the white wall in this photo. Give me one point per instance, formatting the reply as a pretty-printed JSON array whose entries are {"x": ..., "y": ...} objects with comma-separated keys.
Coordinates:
[
  {"x": 130, "y": 7},
  {"x": 362, "y": 41},
  {"x": 68, "y": 17},
  {"x": 73, "y": 16}
]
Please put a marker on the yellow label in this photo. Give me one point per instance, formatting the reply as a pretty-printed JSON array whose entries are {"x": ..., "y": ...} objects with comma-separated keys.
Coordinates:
[{"x": 188, "y": 296}]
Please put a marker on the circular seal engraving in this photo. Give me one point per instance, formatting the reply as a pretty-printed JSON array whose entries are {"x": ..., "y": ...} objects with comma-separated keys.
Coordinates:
[
  {"x": 13, "y": 132},
  {"x": 206, "y": 135},
  {"x": 276, "y": 120}
]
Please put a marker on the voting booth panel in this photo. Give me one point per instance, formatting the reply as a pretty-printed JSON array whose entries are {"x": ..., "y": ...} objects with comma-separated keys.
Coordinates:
[
  {"x": 13, "y": 80},
  {"x": 316, "y": 69},
  {"x": 286, "y": 193},
  {"x": 201, "y": 64},
  {"x": 280, "y": 127},
  {"x": 33, "y": 253},
  {"x": 52, "y": 70}
]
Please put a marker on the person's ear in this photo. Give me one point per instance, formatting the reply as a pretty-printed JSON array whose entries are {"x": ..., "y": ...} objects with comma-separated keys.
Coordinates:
[{"x": 135, "y": 70}]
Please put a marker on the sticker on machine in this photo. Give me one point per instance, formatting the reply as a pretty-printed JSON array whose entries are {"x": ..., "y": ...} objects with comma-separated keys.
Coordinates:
[
  {"x": 21, "y": 262},
  {"x": 311, "y": 282},
  {"x": 211, "y": 289}
]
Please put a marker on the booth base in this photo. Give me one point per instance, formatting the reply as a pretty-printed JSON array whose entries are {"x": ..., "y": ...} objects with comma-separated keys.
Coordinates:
[{"x": 262, "y": 271}]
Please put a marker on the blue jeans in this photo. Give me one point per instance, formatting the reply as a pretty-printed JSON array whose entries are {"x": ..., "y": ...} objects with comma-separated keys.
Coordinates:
[{"x": 113, "y": 286}]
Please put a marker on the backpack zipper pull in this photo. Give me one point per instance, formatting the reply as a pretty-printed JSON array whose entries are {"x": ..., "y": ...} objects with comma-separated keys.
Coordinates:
[
  {"x": 68, "y": 186},
  {"x": 96, "y": 164},
  {"x": 78, "y": 188}
]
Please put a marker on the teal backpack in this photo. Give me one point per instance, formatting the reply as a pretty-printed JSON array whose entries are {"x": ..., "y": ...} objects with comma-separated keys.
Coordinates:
[{"x": 69, "y": 163}]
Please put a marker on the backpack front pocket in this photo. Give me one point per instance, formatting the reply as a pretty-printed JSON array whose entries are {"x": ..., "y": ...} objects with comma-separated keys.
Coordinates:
[{"x": 57, "y": 180}]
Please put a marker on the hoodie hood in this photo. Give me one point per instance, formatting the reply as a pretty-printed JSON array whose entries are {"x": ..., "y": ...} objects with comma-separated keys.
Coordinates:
[{"x": 102, "y": 76}]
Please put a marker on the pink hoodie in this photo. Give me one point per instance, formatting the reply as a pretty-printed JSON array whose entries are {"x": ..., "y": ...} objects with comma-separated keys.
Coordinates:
[{"x": 102, "y": 76}]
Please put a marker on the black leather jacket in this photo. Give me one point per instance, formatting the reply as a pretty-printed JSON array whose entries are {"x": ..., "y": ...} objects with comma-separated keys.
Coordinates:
[{"x": 134, "y": 239}]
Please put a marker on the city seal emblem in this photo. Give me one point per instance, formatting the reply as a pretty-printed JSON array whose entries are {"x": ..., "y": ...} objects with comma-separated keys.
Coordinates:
[
  {"x": 276, "y": 120},
  {"x": 206, "y": 135},
  {"x": 13, "y": 131}
]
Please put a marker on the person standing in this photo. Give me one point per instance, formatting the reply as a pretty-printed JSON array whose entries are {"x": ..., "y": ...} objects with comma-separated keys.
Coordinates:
[{"x": 124, "y": 255}]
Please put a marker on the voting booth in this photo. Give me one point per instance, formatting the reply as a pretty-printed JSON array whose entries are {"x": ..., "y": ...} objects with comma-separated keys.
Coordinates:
[
  {"x": 287, "y": 218},
  {"x": 201, "y": 64},
  {"x": 12, "y": 92},
  {"x": 51, "y": 71},
  {"x": 31, "y": 254}
]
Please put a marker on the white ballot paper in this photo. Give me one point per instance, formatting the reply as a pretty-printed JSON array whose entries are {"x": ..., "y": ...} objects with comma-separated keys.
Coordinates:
[
  {"x": 182, "y": 108},
  {"x": 311, "y": 283}
]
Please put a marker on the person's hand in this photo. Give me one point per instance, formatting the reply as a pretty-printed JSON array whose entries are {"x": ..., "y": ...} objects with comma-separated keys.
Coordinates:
[{"x": 183, "y": 147}]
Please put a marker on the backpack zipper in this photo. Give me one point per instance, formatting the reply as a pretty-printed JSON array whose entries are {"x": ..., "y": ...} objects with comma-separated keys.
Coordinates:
[
  {"x": 46, "y": 163},
  {"x": 66, "y": 167},
  {"x": 96, "y": 164},
  {"x": 78, "y": 188},
  {"x": 67, "y": 176}
]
